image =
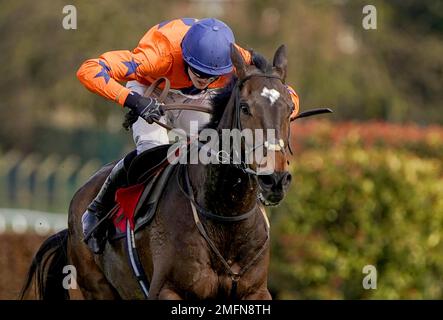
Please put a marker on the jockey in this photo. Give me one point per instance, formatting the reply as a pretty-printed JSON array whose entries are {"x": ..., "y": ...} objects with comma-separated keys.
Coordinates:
[{"x": 193, "y": 54}]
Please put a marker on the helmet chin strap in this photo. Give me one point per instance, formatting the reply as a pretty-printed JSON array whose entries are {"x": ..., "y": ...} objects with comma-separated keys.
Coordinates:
[{"x": 194, "y": 79}]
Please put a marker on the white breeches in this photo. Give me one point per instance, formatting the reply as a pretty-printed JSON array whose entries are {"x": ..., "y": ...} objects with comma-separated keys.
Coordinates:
[{"x": 147, "y": 136}]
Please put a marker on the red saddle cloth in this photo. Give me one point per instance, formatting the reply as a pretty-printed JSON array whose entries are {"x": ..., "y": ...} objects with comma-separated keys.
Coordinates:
[
  {"x": 155, "y": 160},
  {"x": 127, "y": 199}
]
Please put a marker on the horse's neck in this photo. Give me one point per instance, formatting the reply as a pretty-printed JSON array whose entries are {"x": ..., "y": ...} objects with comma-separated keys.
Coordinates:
[
  {"x": 224, "y": 189},
  {"x": 227, "y": 191}
]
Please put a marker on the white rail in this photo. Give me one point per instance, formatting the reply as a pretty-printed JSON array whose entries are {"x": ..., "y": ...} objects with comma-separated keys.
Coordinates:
[
  {"x": 43, "y": 183},
  {"x": 23, "y": 221}
]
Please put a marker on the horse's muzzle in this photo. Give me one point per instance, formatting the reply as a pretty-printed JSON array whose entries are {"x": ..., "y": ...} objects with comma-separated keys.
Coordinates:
[{"x": 273, "y": 187}]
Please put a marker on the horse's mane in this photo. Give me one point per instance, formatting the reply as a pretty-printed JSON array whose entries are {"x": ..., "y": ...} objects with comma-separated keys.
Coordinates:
[{"x": 221, "y": 99}]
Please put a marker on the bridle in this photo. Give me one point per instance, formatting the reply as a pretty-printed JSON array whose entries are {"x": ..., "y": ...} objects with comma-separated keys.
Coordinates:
[
  {"x": 197, "y": 209},
  {"x": 243, "y": 166},
  {"x": 236, "y": 123},
  {"x": 251, "y": 174},
  {"x": 188, "y": 192}
]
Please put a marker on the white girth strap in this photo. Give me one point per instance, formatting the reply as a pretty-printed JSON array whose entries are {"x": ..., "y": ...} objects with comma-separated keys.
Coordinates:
[{"x": 263, "y": 211}]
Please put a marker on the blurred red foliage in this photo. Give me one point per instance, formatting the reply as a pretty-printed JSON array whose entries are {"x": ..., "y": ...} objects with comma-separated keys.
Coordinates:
[{"x": 319, "y": 132}]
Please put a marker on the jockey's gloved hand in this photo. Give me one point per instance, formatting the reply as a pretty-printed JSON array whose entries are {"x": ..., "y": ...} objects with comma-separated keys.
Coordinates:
[{"x": 147, "y": 108}]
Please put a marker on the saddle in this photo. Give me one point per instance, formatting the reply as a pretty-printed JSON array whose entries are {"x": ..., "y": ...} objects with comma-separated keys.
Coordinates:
[{"x": 148, "y": 175}]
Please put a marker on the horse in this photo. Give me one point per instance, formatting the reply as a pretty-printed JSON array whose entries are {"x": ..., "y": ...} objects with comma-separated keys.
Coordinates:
[{"x": 209, "y": 238}]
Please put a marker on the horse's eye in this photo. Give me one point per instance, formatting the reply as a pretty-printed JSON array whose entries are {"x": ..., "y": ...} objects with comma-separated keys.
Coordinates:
[{"x": 244, "y": 107}]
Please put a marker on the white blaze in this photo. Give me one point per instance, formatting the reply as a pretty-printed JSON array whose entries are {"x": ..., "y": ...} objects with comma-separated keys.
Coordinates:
[{"x": 271, "y": 94}]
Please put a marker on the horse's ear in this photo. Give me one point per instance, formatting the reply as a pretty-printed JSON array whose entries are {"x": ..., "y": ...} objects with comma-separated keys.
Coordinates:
[
  {"x": 238, "y": 62},
  {"x": 281, "y": 62}
]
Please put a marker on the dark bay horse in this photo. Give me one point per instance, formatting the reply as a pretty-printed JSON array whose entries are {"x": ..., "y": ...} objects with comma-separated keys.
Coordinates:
[{"x": 179, "y": 262}]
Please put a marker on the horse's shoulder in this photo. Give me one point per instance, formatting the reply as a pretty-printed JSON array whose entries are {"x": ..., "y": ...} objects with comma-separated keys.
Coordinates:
[
  {"x": 88, "y": 190},
  {"x": 97, "y": 179}
]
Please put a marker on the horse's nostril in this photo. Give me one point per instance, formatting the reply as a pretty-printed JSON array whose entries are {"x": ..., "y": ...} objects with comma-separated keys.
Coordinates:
[
  {"x": 267, "y": 180},
  {"x": 286, "y": 180}
]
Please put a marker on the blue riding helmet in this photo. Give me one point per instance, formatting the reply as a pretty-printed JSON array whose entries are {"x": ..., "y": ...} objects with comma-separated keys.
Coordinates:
[{"x": 206, "y": 47}]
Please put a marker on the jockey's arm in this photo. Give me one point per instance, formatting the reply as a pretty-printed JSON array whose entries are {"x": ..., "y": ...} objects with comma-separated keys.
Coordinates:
[
  {"x": 294, "y": 96},
  {"x": 102, "y": 75}
]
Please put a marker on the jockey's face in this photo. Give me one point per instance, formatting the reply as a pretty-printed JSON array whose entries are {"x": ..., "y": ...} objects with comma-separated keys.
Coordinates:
[{"x": 200, "y": 81}]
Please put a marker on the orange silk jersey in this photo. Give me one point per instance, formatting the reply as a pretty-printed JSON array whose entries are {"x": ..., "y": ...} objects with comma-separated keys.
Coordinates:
[{"x": 158, "y": 54}]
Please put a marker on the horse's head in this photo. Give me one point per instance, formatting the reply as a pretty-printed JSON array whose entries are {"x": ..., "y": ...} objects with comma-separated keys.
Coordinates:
[{"x": 261, "y": 103}]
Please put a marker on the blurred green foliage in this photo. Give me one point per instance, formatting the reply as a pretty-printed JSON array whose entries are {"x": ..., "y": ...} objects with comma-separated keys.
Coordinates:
[{"x": 352, "y": 205}]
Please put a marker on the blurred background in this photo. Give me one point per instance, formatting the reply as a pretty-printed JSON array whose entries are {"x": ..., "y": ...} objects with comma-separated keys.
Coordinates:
[{"x": 368, "y": 180}]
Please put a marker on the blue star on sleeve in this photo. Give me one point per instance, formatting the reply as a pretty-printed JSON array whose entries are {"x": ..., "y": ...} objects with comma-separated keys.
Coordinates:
[
  {"x": 131, "y": 65},
  {"x": 104, "y": 72}
]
